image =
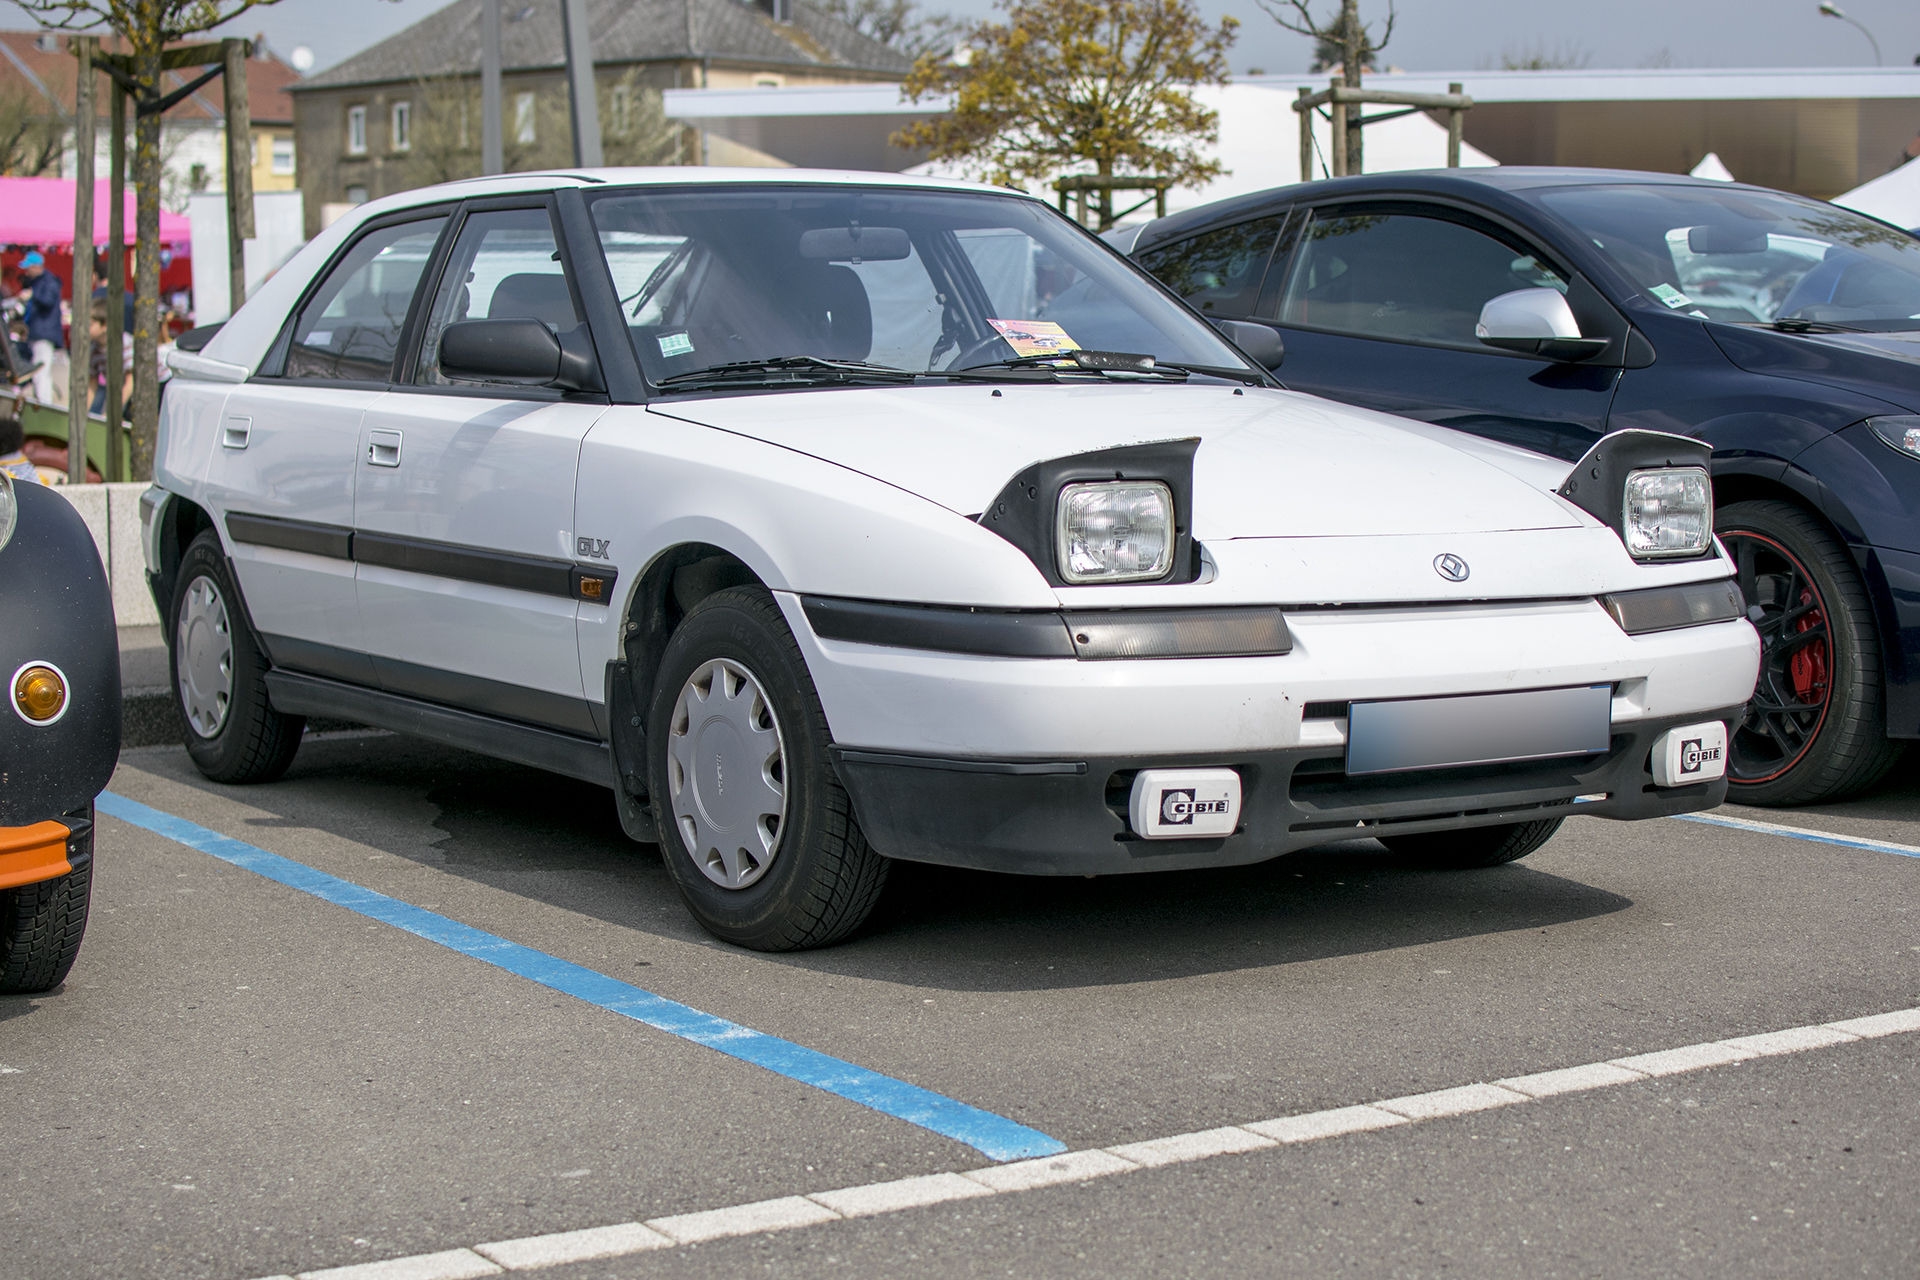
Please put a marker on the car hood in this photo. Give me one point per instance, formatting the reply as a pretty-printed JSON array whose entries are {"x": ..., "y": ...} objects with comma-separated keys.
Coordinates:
[
  {"x": 1883, "y": 365},
  {"x": 1270, "y": 463}
]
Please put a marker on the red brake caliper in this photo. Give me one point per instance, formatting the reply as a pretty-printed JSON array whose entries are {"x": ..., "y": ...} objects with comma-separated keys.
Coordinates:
[{"x": 1808, "y": 666}]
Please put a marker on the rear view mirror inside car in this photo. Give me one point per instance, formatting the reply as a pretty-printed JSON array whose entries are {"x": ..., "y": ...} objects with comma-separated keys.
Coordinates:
[{"x": 855, "y": 243}]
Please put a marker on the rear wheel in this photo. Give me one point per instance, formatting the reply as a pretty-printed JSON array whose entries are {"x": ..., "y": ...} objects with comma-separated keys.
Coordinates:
[
  {"x": 41, "y": 926},
  {"x": 1816, "y": 727},
  {"x": 754, "y": 826},
  {"x": 219, "y": 676},
  {"x": 1474, "y": 847}
]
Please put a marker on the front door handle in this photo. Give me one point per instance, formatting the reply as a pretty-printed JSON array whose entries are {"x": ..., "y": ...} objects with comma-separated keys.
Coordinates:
[
  {"x": 383, "y": 448},
  {"x": 235, "y": 431}
]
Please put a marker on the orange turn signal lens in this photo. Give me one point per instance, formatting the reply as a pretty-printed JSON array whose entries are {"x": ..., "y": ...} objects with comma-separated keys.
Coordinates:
[{"x": 40, "y": 694}]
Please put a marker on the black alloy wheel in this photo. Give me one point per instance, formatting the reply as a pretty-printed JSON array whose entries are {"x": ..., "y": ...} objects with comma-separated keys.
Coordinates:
[{"x": 1815, "y": 729}]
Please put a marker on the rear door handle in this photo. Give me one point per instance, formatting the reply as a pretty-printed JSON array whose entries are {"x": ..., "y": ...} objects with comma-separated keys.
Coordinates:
[
  {"x": 383, "y": 448},
  {"x": 234, "y": 433}
]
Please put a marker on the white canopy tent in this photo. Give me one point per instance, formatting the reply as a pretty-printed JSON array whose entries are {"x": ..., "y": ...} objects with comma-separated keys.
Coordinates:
[{"x": 1894, "y": 196}]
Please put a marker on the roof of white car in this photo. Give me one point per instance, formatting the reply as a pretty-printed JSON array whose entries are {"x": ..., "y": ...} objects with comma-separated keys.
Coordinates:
[{"x": 658, "y": 176}]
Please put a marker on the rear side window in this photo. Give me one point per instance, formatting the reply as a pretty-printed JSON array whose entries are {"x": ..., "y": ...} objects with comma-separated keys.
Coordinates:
[
  {"x": 350, "y": 328},
  {"x": 504, "y": 266},
  {"x": 1392, "y": 275},
  {"x": 1219, "y": 272}
]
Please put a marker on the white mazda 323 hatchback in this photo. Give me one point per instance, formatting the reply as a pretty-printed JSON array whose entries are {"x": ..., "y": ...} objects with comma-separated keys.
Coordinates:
[{"x": 828, "y": 519}]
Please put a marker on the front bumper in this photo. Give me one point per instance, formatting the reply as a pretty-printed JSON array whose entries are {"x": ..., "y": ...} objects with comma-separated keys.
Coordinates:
[{"x": 1068, "y": 816}]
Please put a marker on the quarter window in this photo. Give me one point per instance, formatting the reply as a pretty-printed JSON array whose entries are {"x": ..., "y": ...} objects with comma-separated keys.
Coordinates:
[
  {"x": 501, "y": 268},
  {"x": 356, "y": 131},
  {"x": 351, "y": 327},
  {"x": 1220, "y": 272},
  {"x": 1393, "y": 275}
]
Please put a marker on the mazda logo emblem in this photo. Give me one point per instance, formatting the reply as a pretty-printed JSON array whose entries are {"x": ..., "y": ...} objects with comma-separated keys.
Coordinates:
[{"x": 1451, "y": 567}]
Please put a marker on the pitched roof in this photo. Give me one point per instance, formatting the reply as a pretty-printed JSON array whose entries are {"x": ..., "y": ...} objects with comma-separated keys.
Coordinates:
[
  {"x": 37, "y": 63},
  {"x": 448, "y": 41}
]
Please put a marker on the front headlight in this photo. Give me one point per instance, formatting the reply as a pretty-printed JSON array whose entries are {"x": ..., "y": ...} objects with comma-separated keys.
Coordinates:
[
  {"x": 1115, "y": 531},
  {"x": 1667, "y": 513},
  {"x": 9, "y": 509},
  {"x": 1901, "y": 433}
]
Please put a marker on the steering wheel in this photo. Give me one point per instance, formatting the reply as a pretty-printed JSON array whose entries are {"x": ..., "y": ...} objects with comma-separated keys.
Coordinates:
[{"x": 977, "y": 353}]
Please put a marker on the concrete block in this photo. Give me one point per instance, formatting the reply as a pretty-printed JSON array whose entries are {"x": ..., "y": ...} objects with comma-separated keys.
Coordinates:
[{"x": 127, "y": 567}]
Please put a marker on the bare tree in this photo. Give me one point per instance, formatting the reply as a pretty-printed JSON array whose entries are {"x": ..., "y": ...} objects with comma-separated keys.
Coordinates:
[
  {"x": 147, "y": 27},
  {"x": 1541, "y": 56},
  {"x": 33, "y": 133},
  {"x": 1343, "y": 37},
  {"x": 901, "y": 24},
  {"x": 445, "y": 146}
]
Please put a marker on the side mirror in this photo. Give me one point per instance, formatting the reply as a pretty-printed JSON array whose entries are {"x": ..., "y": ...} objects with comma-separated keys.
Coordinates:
[
  {"x": 523, "y": 351},
  {"x": 1536, "y": 322},
  {"x": 1260, "y": 343}
]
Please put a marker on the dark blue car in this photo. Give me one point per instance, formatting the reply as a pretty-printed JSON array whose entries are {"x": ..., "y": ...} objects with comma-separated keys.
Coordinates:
[{"x": 1783, "y": 331}]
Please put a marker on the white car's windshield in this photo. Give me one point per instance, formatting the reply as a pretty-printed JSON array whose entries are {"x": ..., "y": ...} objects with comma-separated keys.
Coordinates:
[
  {"x": 914, "y": 282},
  {"x": 1751, "y": 257}
]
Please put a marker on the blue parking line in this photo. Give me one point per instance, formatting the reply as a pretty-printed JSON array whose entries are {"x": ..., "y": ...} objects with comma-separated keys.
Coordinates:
[
  {"x": 995, "y": 1137},
  {"x": 1801, "y": 833}
]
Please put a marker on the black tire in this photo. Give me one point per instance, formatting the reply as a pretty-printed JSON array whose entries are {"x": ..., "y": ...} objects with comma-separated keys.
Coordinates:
[
  {"x": 1816, "y": 729},
  {"x": 818, "y": 878},
  {"x": 241, "y": 739},
  {"x": 1473, "y": 847},
  {"x": 41, "y": 926}
]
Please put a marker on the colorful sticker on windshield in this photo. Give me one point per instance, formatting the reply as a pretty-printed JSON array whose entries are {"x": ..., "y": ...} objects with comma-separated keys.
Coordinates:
[
  {"x": 675, "y": 344},
  {"x": 1035, "y": 337},
  {"x": 1671, "y": 296}
]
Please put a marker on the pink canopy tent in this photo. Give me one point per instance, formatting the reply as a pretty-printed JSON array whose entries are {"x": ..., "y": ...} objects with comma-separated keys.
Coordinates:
[{"x": 39, "y": 211}]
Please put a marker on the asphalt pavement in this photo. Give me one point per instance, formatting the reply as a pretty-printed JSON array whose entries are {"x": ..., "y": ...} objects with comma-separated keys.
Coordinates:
[{"x": 243, "y": 1078}]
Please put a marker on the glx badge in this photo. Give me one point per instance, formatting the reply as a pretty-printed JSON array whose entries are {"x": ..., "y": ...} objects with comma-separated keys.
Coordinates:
[
  {"x": 592, "y": 548},
  {"x": 1451, "y": 567}
]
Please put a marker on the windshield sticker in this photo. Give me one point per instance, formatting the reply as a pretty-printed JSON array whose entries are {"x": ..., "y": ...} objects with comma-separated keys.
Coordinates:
[
  {"x": 1035, "y": 337},
  {"x": 1671, "y": 296},
  {"x": 675, "y": 344}
]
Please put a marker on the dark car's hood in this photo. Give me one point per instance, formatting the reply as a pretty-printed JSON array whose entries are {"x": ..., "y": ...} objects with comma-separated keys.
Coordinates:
[{"x": 1883, "y": 365}]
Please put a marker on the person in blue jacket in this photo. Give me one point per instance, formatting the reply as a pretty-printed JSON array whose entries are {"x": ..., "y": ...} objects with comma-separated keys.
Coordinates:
[{"x": 44, "y": 333}]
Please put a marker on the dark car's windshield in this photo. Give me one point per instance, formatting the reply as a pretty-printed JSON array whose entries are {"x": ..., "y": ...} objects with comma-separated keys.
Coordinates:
[
  {"x": 1751, "y": 257},
  {"x": 914, "y": 281}
]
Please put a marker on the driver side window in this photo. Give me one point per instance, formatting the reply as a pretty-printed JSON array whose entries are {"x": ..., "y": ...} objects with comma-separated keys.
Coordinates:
[{"x": 1403, "y": 276}]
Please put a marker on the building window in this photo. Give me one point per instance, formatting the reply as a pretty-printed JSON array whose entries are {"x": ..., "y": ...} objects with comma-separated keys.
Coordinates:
[
  {"x": 197, "y": 177},
  {"x": 356, "y": 195},
  {"x": 622, "y": 111},
  {"x": 766, "y": 82},
  {"x": 402, "y": 126},
  {"x": 356, "y": 131},
  {"x": 464, "y": 113},
  {"x": 523, "y": 104},
  {"x": 283, "y": 155}
]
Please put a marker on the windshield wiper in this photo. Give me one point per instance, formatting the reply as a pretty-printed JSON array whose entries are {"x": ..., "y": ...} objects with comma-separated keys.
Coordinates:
[
  {"x": 1794, "y": 324},
  {"x": 787, "y": 369},
  {"x": 1083, "y": 361}
]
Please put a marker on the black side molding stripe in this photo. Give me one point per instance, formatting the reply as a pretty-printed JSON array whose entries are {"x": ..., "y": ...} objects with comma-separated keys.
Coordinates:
[
  {"x": 291, "y": 535},
  {"x": 1230, "y": 631},
  {"x": 536, "y": 574},
  {"x": 1016, "y": 768},
  {"x": 1012, "y": 635}
]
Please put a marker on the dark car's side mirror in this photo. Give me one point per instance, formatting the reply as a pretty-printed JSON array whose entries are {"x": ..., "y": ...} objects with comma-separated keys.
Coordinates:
[
  {"x": 1260, "y": 343},
  {"x": 523, "y": 351},
  {"x": 1536, "y": 322}
]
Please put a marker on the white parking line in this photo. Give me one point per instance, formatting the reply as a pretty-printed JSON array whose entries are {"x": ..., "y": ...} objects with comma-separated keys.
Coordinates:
[{"x": 818, "y": 1207}]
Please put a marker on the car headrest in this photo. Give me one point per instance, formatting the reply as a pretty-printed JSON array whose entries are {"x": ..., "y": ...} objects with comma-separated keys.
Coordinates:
[{"x": 532, "y": 295}]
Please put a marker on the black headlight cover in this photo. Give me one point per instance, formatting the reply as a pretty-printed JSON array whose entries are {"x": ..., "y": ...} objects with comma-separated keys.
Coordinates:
[
  {"x": 1598, "y": 482},
  {"x": 1024, "y": 512},
  {"x": 1692, "y": 604}
]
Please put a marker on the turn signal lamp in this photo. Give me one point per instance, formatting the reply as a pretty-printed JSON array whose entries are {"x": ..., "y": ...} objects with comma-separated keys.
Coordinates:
[
  {"x": 39, "y": 693},
  {"x": 1668, "y": 513}
]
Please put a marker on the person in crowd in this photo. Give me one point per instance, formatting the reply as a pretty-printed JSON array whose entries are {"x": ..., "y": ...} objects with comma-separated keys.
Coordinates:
[
  {"x": 43, "y": 322},
  {"x": 97, "y": 322},
  {"x": 13, "y": 459},
  {"x": 100, "y": 290}
]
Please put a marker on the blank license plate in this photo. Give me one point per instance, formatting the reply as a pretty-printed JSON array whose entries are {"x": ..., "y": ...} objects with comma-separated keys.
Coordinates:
[{"x": 1484, "y": 728}]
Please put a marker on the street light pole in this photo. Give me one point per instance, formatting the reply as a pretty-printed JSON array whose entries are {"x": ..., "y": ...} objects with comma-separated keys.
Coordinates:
[{"x": 1832, "y": 10}]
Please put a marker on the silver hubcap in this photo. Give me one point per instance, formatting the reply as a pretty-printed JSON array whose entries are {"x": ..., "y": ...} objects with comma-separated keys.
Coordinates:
[
  {"x": 726, "y": 772},
  {"x": 203, "y": 652}
]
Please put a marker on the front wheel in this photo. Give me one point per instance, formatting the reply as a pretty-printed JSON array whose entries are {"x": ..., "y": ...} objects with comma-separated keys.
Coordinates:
[
  {"x": 41, "y": 926},
  {"x": 1816, "y": 728},
  {"x": 755, "y": 828},
  {"x": 1474, "y": 847},
  {"x": 220, "y": 676}
]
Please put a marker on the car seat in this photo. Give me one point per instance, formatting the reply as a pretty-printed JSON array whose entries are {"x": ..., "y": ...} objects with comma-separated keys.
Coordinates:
[{"x": 531, "y": 295}]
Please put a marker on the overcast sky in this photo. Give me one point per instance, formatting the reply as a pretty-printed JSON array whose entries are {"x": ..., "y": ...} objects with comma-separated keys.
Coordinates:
[{"x": 1430, "y": 35}]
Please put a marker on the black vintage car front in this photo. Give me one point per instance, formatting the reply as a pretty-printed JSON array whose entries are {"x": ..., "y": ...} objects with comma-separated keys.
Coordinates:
[{"x": 60, "y": 735}]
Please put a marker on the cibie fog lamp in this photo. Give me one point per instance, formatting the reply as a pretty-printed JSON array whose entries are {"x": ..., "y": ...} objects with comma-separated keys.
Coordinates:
[
  {"x": 1667, "y": 513},
  {"x": 1115, "y": 531}
]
